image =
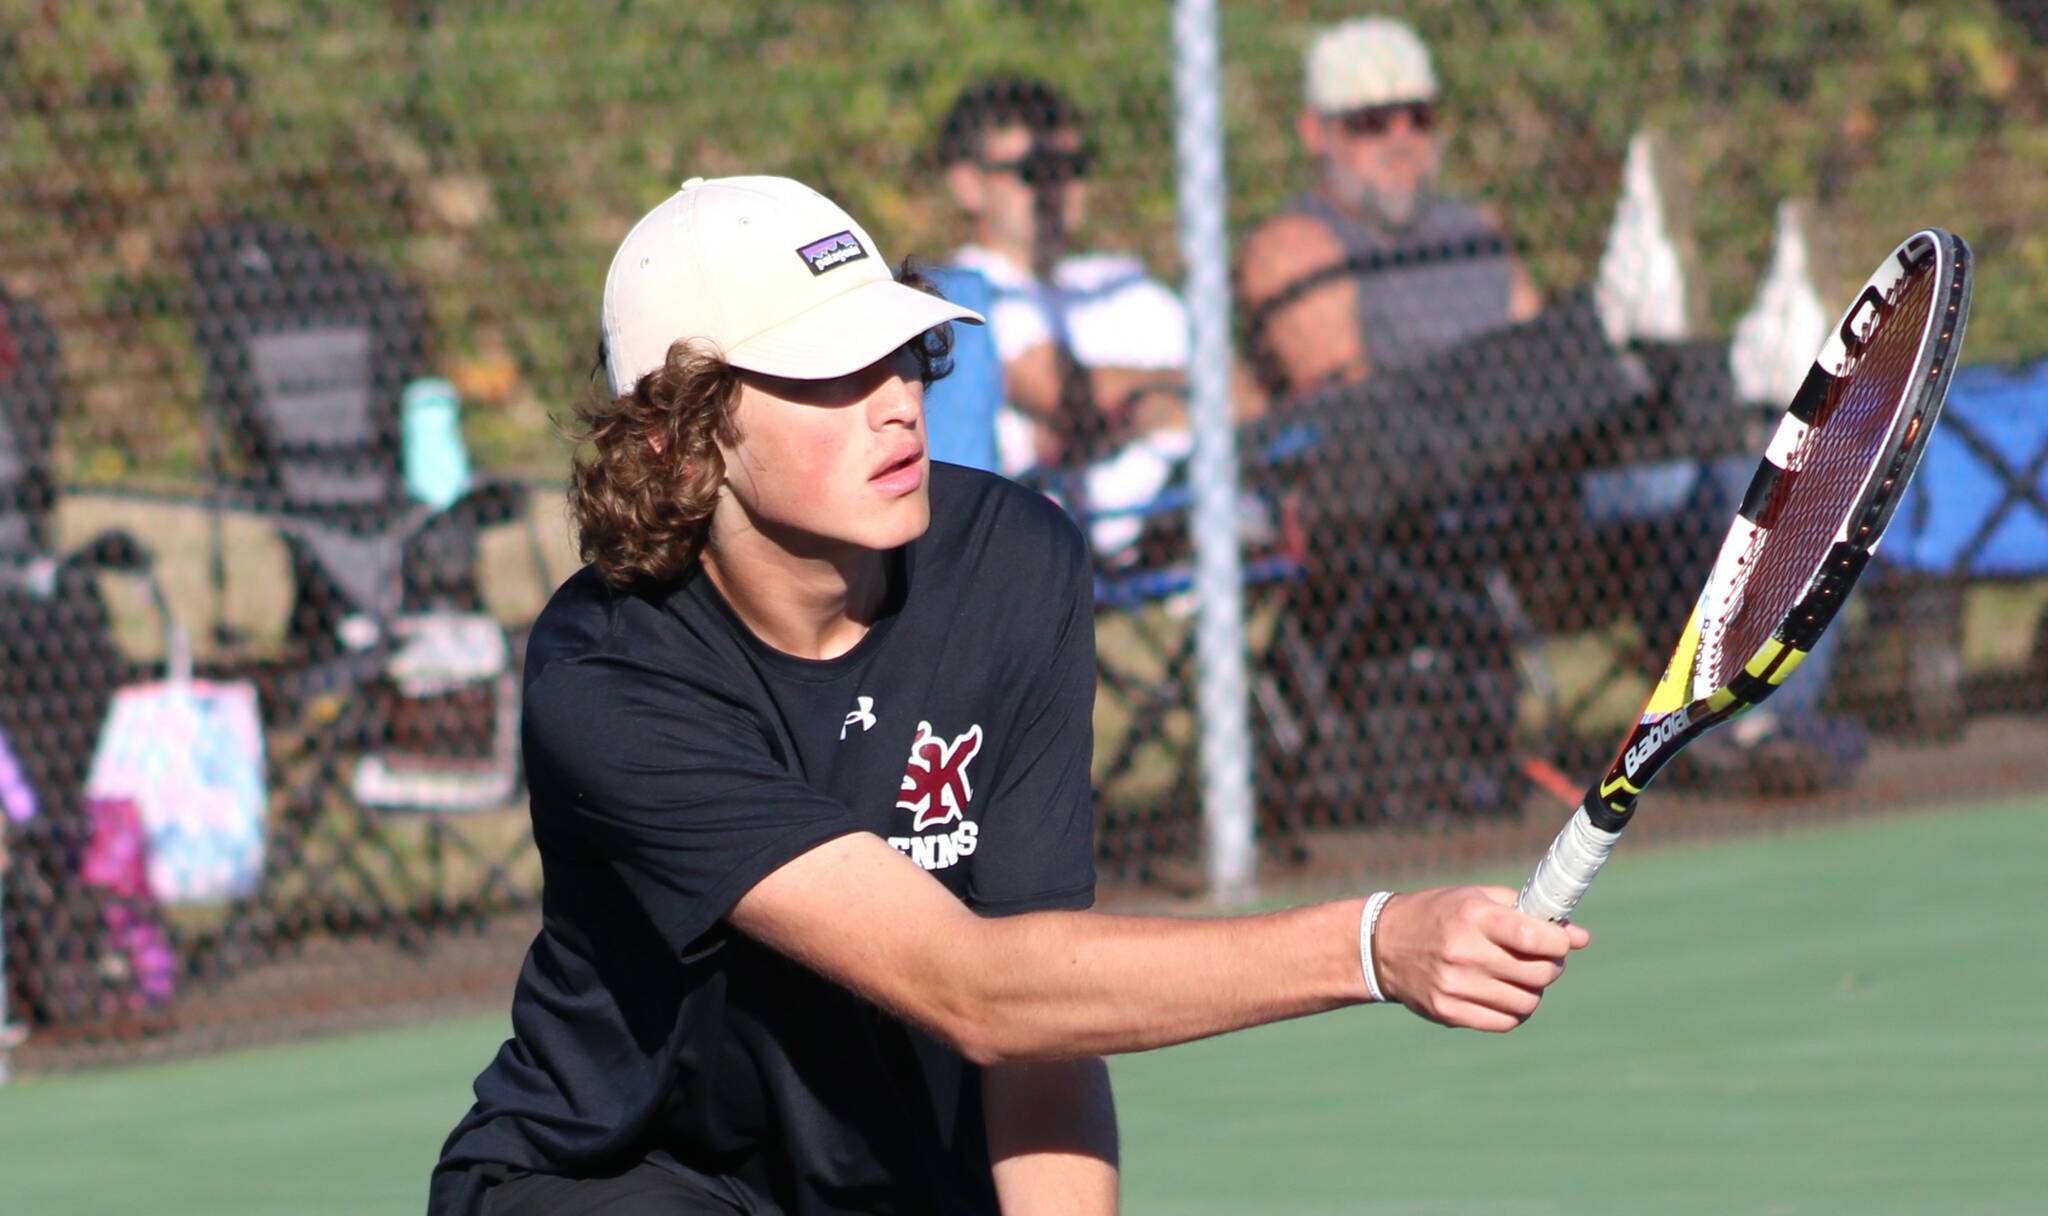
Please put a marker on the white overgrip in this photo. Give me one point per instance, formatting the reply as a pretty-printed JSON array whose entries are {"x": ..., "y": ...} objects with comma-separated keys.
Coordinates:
[{"x": 1567, "y": 869}]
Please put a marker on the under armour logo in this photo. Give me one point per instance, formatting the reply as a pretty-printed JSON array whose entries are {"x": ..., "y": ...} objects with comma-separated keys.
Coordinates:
[{"x": 864, "y": 715}]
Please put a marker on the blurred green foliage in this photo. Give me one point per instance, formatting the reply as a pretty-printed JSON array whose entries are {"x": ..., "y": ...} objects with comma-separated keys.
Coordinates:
[{"x": 495, "y": 152}]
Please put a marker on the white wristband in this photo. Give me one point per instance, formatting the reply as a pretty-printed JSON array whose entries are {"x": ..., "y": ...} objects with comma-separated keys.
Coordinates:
[{"x": 1366, "y": 924}]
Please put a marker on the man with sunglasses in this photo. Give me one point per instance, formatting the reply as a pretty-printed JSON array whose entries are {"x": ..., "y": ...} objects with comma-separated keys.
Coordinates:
[
  {"x": 1373, "y": 268},
  {"x": 1094, "y": 349}
]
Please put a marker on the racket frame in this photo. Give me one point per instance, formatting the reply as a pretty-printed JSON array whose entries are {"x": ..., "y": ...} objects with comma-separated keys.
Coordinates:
[{"x": 1677, "y": 712}]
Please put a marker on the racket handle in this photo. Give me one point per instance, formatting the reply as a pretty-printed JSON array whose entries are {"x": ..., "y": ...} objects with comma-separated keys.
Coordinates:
[{"x": 1567, "y": 869}]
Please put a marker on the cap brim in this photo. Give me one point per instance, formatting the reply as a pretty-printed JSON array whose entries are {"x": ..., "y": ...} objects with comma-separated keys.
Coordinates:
[
  {"x": 1331, "y": 105},
  {"x": 847, "y": 332}
]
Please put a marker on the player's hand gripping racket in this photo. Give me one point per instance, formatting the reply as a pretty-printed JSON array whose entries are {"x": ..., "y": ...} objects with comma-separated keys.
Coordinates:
[{"x": 1833, "y": 474}]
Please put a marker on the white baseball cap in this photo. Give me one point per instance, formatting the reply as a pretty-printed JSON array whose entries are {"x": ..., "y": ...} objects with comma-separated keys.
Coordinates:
[
  {"x": 773, "y": 275},
  {"x": 1367, "y": 61}
]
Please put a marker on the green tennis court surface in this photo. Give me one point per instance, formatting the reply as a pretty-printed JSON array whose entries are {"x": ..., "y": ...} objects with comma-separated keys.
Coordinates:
[{"x": 1850, "y": 1019}]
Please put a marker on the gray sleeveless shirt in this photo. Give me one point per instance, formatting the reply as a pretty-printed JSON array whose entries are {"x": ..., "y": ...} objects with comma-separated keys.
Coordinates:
[{"x": 1443, "y": 281}]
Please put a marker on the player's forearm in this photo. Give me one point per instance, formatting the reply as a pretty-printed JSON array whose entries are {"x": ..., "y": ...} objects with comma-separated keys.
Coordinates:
[{"x": 1063, "y": 984}]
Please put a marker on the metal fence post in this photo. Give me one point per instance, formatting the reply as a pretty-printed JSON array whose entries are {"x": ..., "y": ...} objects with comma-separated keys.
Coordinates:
[{"x": 1220, "y": 641}]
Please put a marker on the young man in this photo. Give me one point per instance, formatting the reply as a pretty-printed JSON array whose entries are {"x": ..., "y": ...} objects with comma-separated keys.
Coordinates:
[
  {"x": 1085, "y": 338},
  {"x": 808, "y": 744},
  {"x": 1094, "y": 349},
  {"x": 1372, "y": 268}
]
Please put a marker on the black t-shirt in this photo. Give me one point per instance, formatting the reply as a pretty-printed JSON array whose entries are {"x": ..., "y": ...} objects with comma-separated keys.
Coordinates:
[{"x": 676, "y": 760}]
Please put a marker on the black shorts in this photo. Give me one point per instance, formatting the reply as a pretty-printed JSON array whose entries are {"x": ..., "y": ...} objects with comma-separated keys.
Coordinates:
[{"x": 644, "y": 1190}]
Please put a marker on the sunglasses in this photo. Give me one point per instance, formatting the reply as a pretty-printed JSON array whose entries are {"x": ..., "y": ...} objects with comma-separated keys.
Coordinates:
[
  {"x": 1046, "y": 166},
  {"x": 1378, "y": 120}
]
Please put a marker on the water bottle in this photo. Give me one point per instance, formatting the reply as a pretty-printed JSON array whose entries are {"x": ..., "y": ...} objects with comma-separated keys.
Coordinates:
[{"x": 436, "y": 462}]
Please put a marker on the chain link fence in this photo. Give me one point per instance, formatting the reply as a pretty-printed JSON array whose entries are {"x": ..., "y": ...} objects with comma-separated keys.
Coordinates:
[{"x": 294, "y": 291}]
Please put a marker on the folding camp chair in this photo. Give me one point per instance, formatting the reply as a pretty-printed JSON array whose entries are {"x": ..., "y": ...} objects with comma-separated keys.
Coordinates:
[
  {"x": 1145, "y": 664},
  {"x": 1441, "y": 509},
  {"x": 1977, "y": 512},
  {"x": 402, "y": 692},
  {"x": 1356, "y": 719}
]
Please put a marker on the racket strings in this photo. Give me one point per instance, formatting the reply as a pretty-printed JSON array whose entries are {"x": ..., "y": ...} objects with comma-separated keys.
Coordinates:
[{"x": 1821, "y": 484}]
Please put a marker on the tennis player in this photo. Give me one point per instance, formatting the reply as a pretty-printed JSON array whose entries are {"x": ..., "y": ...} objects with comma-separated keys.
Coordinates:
[{"x": 809, "y": 746}]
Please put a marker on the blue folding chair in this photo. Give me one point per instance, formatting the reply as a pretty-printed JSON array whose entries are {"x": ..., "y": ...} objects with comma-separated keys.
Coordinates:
[{"x": 1976, "y": 513}]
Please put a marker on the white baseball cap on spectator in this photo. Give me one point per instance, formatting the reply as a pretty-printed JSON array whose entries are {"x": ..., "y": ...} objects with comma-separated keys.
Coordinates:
[
  {"x": 776, "y": 277},
  {"x": 1366, "y": 62}
]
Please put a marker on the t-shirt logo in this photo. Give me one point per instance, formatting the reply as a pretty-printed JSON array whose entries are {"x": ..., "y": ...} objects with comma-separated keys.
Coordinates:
[
  {"x": 935, "y": 787},
  {"x": 862, "y": 716}
]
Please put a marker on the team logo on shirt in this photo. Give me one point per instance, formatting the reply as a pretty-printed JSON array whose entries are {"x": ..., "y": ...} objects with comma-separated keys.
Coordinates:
[{"x": 937, "y": 790}]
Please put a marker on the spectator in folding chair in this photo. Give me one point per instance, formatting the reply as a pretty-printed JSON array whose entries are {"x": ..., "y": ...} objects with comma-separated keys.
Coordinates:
[
  {"x": 1094, "y": 353},
  {"x": 1375, "y": 273},
  {"x": 1094, "y": 349},
  {"x": 809, "y": 748},
  {"x": 1373, "y": 267},
  {"x": 59, "y": 669}
]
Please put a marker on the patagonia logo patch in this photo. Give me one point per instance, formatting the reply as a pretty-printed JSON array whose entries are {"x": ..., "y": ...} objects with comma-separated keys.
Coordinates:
[{"x": 835, "y": 250}]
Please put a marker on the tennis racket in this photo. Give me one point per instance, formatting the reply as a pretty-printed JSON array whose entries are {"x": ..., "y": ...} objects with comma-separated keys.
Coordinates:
[{"x": 1834, "y": 472}]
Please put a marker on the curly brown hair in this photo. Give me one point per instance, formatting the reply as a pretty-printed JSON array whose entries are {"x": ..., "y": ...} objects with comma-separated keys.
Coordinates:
[
  {"x": 642, "y": 489},
  {"x": 646, "y": 478}
]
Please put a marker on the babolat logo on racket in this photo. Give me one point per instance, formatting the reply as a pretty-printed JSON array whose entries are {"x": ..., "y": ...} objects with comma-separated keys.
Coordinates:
[
  {"x": 835, "y": 250},
  {"x": 1668, "y": 727}
]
